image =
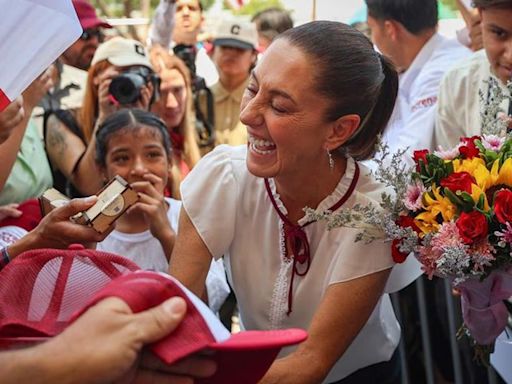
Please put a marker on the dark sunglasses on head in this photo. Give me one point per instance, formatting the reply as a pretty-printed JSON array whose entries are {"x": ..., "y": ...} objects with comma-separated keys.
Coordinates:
[{"x": 88, "y": 34}]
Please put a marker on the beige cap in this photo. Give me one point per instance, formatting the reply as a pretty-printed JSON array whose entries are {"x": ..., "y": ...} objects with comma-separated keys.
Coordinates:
[
  {"x": 236, "y": 33},
  {"x": 122, "y": 52}
]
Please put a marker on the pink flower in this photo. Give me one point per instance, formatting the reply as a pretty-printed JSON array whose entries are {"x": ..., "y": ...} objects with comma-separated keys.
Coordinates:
[
  {"x": 506, "y": 234},
  {"x": 447, "y": 236},
  {"x": 447, "y": 154},
  {"x": 414, "y": 196},
  {"x": 493, "y": 142},
  {"x": 482, "y": 254},
  {"x": 428, "y": 258}
]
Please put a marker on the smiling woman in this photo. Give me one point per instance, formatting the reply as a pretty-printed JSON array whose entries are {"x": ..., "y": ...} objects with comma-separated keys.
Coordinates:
[{"x": 313, "y": 107}]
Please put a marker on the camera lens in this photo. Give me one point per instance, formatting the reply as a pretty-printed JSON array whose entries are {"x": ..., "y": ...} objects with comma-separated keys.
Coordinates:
[{"x": 125, "y": 88}]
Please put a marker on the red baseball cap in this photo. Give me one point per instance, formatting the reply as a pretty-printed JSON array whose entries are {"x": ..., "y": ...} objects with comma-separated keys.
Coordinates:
[
  {"x": 87, "y": 15},
  {"x": 63, "y": 282},
  {"x": 30, "y": 216}
]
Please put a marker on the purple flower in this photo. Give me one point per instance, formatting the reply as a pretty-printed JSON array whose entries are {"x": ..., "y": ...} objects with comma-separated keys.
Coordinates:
[
  {"x": 414, "y": 196},
  {"x": 493, "y": 142}
]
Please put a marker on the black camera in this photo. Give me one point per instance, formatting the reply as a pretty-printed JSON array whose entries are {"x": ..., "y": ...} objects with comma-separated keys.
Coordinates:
[{"x": 125, "y": 88}]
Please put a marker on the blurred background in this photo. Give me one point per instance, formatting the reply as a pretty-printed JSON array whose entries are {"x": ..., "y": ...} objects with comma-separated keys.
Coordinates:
[{"x": 131, "y": 17}]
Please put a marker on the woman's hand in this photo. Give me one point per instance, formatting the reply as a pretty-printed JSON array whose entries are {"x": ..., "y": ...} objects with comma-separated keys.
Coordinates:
[
  {"x": 153, "y": 206},
  {"x": 106, "y": 105}
]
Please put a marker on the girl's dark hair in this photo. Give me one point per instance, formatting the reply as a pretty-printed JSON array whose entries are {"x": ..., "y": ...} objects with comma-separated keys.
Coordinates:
[
  {"x": 126, "y": 120},
  {"x": 350, "y": 73}
]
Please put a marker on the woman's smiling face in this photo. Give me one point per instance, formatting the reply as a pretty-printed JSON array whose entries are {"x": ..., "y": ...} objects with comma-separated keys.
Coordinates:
[{"x": 284, "y": 114}]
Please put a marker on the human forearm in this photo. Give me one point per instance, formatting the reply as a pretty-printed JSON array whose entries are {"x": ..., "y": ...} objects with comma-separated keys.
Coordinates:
[
  {"x": 10, "y": 148},
  {"x": 41, "y": 364},
  {"x": 190, "y": 259},
  {"x": 295, "y": 369},
  {"x": 167, "y": 240},
  {"x": 85, "y": 175}
]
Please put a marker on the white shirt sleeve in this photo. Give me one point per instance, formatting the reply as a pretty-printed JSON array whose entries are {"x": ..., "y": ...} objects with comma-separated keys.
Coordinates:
[
  {"x": 448, "y": 121},
  {"x": 210, "y": 198}
]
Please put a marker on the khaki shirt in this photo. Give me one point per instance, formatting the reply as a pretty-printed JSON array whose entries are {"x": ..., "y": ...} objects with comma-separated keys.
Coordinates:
[{"x": 228, "y": 128}]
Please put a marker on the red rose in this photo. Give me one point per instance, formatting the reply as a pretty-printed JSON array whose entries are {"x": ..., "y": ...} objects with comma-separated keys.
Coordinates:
[
  {"x": 458, "y": 181},
  {"x": 469, "y": 149},
  {"x": 398, "y": 257},
  {"x": 407, "y": 221},
  {"x": 503, "y": 206},
  {"x": 472, "y": 226},
  {"x": 420, "y": 155}
]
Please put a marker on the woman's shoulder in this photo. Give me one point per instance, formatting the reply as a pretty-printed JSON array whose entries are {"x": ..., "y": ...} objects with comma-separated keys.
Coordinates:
[
  {"x": 223, "y": 159},
  {"x": 368, "y": 188},
  {"x": 221, "y": 171}
]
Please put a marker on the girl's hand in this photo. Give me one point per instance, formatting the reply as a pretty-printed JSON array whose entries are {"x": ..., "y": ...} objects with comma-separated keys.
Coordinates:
[{"x": 153, "y": 205}]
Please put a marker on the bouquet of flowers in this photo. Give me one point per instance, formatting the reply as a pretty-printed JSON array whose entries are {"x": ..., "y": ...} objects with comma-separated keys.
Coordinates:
[{"x": 453, "y": 211}]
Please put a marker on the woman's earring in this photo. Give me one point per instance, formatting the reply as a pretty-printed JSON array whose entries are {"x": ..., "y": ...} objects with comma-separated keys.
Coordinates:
[{"x": 331, "y": 160}]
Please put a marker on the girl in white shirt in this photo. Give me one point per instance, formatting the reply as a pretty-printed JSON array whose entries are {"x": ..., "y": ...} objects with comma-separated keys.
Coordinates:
[{"x": 135, "y": 145}]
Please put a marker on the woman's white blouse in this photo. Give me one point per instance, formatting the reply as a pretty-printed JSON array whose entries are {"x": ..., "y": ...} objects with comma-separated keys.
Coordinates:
[{"x": 234, "y": 216}]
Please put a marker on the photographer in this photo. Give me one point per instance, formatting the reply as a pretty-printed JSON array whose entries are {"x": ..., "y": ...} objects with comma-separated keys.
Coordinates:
[{"x": 120, "y": 76}]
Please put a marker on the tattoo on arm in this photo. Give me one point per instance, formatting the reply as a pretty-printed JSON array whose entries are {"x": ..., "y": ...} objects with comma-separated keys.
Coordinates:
[{"x": 55, "y": 140}]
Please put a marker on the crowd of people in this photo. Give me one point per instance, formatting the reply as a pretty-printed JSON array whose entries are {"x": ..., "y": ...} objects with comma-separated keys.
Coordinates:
[{"x": 225, "y": 142}]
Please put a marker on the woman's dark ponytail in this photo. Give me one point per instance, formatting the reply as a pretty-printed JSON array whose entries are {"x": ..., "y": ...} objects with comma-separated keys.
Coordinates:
[
  {"x": 352, "y": 75},
  {"x": 362, "y": 145}
]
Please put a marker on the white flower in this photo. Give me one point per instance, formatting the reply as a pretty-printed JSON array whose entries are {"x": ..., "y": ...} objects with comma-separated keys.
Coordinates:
[
  {"x": 493, "y": 142},
  {"x": 447, "y": 154}
]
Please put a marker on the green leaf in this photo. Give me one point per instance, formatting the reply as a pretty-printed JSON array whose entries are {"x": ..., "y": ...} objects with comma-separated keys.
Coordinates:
[{"x": 453, "y": 197}]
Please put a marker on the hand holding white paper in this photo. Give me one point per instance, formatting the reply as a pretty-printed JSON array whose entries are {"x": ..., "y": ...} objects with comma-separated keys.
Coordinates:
[{"x": 33, "y": 34}]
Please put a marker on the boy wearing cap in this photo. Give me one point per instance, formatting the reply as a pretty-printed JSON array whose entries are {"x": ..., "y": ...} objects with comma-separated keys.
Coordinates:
[{"x": 234, "y": 54}]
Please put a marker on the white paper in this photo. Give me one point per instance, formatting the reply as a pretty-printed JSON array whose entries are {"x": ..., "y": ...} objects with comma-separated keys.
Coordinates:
[{"x": 33, "y": 34}]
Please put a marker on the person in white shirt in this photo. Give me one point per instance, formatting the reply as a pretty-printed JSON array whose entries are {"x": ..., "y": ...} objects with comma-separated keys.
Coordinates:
[
  {"x": 303, "y": 109},
  {"x": 458, "y": 112},
  {"x": 405, "y": 31}
]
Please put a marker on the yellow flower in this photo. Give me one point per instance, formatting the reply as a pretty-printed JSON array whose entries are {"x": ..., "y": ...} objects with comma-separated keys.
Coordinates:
[
  {"x": 505, "y": 173},
  {"x": 439, "y": 204},
  {"x": 427, "y": 221},
  {"x": 476, "y": 192},
  {"x": 468, "y": 165}
]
